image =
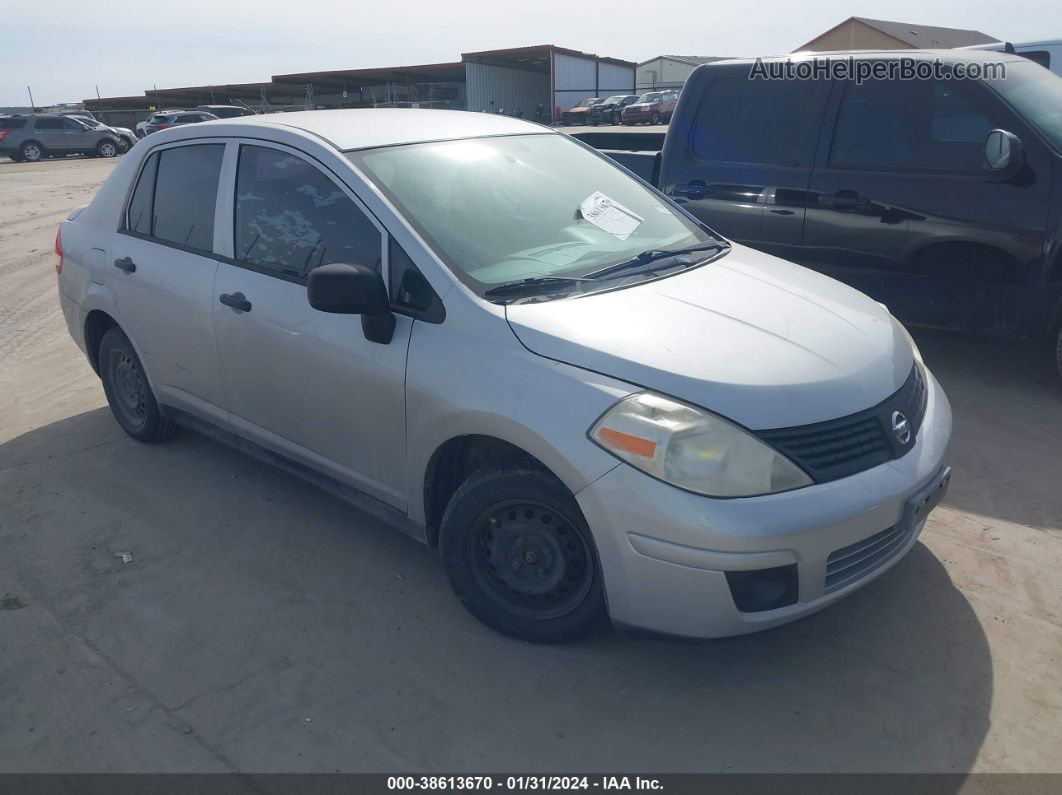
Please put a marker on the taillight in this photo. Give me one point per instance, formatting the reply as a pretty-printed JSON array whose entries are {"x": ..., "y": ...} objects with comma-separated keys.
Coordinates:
[
  {"x": 59, "y": 250},
  {"x": 164, "y": 126},
  {"x": 4, "y": 134}
]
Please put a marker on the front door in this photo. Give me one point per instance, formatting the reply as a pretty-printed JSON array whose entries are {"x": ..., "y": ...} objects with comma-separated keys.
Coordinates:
[
  {"x": 901, "y": 206},
  {"x": 161, "y": 268},
  {"x": 745, "y": 167},
  {"x": 301, "y": 382}
]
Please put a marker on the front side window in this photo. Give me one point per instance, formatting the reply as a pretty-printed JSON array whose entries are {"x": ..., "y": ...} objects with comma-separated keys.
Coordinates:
[
  {"x": 1036, "y": 95},
  {"x": 290, "y": 217},
  {"x": 180, "y": 207},
  {"x": 753, "y": 121},
  {"x": 508, "y": 208},
  {"x": 910, "y": 126}
]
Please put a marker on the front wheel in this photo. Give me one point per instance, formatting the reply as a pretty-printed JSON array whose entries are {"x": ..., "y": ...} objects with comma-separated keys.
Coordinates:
[
  {"x": 655, "y": 118},
  {"x": 519, "y": 555},
  {"x": 128, "y": 393}
]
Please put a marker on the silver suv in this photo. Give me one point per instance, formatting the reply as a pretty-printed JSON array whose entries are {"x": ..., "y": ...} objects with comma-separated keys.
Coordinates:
[
  {"x": 30, "y": 138},
  {"x": 496, "y": 340}
]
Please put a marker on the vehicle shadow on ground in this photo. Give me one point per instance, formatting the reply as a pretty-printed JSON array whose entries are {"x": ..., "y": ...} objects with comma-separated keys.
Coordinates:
[
  {"x": 292, "y": 633},
  {"x": 1007, "y": 405}
]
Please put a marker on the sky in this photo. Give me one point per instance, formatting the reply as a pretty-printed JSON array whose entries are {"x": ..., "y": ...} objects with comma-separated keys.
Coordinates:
[{"x": 126, "y": 47}]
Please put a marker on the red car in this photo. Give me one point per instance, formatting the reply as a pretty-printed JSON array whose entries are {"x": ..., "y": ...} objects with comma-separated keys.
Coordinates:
[{"x": 653, "y": 107}]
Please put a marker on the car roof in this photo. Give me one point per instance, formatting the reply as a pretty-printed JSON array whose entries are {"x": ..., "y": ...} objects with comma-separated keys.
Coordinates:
[{"x": 367, "y": 128}]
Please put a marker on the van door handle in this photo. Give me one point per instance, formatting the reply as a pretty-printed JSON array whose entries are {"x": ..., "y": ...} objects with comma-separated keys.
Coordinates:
[
  {"x": 125, "y": 264},
  {"x": 695, "y": 189},
  {"x": 236, "y": 301}
]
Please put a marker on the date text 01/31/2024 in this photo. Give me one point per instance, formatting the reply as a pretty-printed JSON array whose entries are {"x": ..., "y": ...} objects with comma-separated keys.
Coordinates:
[{"x": 522, "y": 783}]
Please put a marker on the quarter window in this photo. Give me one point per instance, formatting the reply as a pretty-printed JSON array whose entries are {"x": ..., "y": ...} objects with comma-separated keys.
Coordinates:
[
  {"x": 176, "y": 194},
  {"x": 291, "y": 218},
  {"x": 910, "y": 126},
  {"x": 753, "y": 121}
]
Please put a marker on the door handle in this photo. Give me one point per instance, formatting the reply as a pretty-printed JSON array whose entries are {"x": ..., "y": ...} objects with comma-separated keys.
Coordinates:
[
  {"x": 695, "y": 189},
  {"x": 844, "y": 200},
  {"x": 125, "y": 264},
  {"x": 236, "y": 301}
]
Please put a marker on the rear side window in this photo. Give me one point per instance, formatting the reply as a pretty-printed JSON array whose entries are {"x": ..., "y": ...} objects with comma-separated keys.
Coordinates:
[
  {"x": 12, "y": 124},
  {"x": 180, "y": 208},
  {"x": 291, "y": 218},
  {"x": 43, "y": 123},
  {"x": 910, "y": 126},
  {"x": 753, "y": 121}
]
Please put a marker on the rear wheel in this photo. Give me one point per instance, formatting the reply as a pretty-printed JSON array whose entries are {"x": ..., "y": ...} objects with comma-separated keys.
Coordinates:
[
  {"x": 519, "y": 555},
  {"x": 31, "y": 151},
  {"x": 106, "y": 148},
  {"x": 128, "y": 393}
]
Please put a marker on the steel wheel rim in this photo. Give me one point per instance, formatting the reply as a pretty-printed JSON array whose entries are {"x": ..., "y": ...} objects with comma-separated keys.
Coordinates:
[
  {"x": 531, "y": 559},
  {"x": 130, "y": 390}
]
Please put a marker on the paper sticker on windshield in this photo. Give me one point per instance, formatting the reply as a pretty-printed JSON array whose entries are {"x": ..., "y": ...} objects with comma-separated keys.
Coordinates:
[{"x": 608, "y": 214}]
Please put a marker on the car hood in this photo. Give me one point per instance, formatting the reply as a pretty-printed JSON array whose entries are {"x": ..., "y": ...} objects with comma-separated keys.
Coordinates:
[
  {"x": 759, "y": 340},
  {"x": 638, "y": 106}
]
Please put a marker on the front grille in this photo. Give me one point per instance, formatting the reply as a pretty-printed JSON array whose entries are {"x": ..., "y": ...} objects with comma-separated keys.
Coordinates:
[
  {"x": 839, "y": 448},
  {"x": 849, "y": 563}
]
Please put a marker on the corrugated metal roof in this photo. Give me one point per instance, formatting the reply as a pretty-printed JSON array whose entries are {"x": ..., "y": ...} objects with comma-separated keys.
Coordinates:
[
  {"x": 696, "y": 60},
  {"x": 927, "y": 36}
]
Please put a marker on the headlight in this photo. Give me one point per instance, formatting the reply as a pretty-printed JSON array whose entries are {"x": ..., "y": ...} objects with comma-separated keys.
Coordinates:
[{"x": 693, "y": 449}]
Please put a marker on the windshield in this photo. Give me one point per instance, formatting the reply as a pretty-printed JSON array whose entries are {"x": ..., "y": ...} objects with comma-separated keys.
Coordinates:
[
  {"x": 650, "y": 97},
  {"x": 1036, "y": 94},
  {"x": 509, "y": 208}
]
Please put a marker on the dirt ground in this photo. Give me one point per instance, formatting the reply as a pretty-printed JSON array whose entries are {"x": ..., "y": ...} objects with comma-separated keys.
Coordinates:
[{"x": 262, "y": 625}]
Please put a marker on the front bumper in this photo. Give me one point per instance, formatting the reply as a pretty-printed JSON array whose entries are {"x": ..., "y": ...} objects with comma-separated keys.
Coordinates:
[{"x": 665, "y": 552}]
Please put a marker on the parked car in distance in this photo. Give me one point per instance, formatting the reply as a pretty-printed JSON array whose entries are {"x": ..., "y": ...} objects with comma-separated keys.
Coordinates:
[
  {"x": 940, "y": 198},
  {"x": 142, "y": 127},
  {"x": 1046, "y": 52},
  {"x": 165, "y": 121},
  {"x": 608, "y": 112},
  {"x": 590, "y": 401},
  {"x": 126, "y": 137},
  {"x": 33, "y": 137},
  {"x": 653, "y": 107},
  {"x": 580, "y": 114},
  {"x": 226, "y": 111}
]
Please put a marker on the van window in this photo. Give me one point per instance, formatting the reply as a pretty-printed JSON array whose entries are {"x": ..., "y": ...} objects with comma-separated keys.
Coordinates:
[
  {"x": 910, "y": 125},
  {"x": 291, "y": 218},
  {"x": 753, "y": 121},
  {"x": 186, "y": 189},
  {"x": 12, "y": 123},
  {"x": 48, "y": 123}
]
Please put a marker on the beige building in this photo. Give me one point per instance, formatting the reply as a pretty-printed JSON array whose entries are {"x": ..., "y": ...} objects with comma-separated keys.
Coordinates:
[{"x": 860, "y": 33}]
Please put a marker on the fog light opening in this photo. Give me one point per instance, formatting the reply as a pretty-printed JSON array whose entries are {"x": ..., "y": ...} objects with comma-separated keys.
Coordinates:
[{"x": 763, "y": 589}]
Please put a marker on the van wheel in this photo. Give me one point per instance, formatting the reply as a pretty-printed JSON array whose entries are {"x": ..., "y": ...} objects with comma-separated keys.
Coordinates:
[
  {"x": 128, "y": 392},
  {"x": 519, "y": 555},
  {"x": 655, "y": 118},
  {"x": 106, "y": 149},
  {"x": 31, "y": 151}
]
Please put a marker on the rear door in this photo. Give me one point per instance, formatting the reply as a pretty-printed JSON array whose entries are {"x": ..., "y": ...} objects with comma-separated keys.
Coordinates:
[
  {"x": 901, "y": 206},
  {"x": 163, "y": 274},
  {"x": 302, "y": 382},
  {"x": 743, "y": 164},
  {"x": 49, "y": 131}
]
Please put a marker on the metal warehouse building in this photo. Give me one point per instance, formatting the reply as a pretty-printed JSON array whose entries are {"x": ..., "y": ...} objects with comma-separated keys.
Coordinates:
[
  {"x": 539, "y": 82},
  {"x": 669, "y": 71},
  {"x": 533, "y": 82}
]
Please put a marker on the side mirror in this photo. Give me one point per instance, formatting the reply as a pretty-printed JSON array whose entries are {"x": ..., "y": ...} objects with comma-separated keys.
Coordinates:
[
  {"x": 353, "y": 290},
  {"x": 1005, "y": 155}
]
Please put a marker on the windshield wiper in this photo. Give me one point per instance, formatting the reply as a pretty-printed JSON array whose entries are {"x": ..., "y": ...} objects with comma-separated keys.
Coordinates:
[
  {"x": 521, "y": 286},
  {"x": 637, "y": 263}
]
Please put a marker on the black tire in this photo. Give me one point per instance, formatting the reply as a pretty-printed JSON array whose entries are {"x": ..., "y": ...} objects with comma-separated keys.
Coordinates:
[
  {"x": 123, "y": 146},
  {"x": 549, "y": 590},
  {"x": 107, "y": 148},
  {"x": 655, "y": 118},
  {"x": 31, "y": 151},
  {"x": 128, "y": 393}
]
